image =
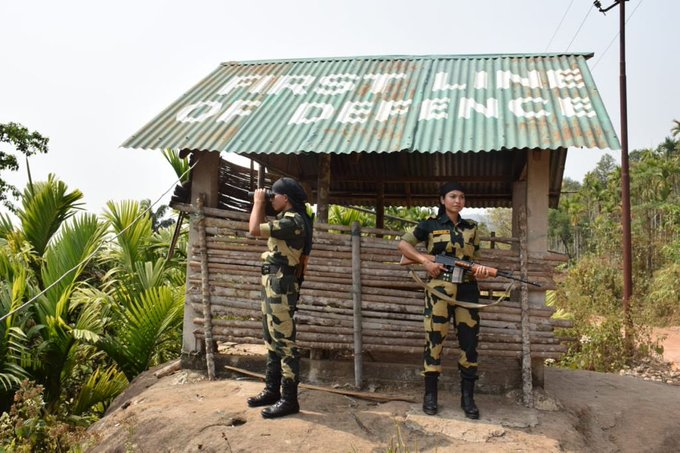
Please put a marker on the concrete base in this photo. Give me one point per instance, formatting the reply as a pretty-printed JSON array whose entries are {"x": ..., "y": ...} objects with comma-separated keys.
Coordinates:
[
  {"x": 193, "y": 361},
  {"x": 497, "y": 375}
]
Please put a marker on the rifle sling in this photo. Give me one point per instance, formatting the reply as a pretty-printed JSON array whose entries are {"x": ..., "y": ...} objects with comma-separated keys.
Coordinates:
[{"x": 448, "y": 298}]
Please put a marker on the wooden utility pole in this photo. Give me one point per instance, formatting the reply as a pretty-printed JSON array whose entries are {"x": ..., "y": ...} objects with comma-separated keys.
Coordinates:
[{"x": 625, "y": 175}]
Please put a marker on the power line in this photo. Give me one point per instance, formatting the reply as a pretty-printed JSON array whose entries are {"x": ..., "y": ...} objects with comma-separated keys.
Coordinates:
[
  {"x": 615, "y": 36},
  {"x": 87, "y": 258},
  {"x": 580, "y": 26},
  {"x": 558, "y": 26}
]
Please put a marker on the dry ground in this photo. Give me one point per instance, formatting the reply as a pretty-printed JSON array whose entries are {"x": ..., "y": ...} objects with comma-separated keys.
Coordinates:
[{"x": 578, "y": 411}]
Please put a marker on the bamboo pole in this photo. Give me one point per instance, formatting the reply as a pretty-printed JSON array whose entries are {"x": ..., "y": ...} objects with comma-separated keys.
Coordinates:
[
  {"x": 527, "y": 378},
  {"x": 205, "y": 290},
  {"x": 332, "y": 324},
  {"x": 416, "y": 349},
  {"x": 356, "y": 299},
  {"x": 361, "y": 395}
]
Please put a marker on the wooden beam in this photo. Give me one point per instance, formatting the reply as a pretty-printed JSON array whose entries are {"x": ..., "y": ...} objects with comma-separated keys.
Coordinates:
[
  {"x": 362, "y": 395},
  {"x": 380, "y": 206},
  {"x": 427, "y": 178},
  {"x": 323, "y": 188}
]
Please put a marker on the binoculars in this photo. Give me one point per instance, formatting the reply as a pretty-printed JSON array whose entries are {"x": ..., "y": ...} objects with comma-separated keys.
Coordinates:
[{"x": 268, "y": 194}]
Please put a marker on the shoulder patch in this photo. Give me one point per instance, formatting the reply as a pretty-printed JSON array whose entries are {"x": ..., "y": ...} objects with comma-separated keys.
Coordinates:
[{"x": 471, "y": 223}]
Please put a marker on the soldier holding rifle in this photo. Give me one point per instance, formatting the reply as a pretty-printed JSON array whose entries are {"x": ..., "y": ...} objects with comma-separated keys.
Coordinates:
[{"x": 454, "y": 236}]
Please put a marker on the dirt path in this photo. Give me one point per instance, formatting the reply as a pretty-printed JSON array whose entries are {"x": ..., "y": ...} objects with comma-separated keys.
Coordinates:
[
  {"x": 579, "y": 411},
  {"x": 671, "y": 344}
]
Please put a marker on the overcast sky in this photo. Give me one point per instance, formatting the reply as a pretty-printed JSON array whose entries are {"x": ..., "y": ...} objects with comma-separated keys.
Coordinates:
[{"x": 89, "y": 74}]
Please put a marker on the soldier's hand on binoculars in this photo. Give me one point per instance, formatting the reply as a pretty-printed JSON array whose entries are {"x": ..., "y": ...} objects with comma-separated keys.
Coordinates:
[{"x": 260, "y": 195}]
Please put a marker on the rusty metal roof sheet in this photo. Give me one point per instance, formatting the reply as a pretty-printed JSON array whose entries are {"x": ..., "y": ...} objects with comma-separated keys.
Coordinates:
[{"x": 384, "y": 104}]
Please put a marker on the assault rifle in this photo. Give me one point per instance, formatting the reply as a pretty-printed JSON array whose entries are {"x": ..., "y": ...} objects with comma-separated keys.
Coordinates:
[{"x": 469, "y": 266}]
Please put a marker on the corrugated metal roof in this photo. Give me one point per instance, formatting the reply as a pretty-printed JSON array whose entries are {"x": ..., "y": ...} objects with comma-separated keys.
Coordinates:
[{"x": 429, "y": 104}]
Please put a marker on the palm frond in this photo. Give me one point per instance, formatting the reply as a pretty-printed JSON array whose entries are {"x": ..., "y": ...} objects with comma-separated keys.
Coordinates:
[
  {"x": 162, "y": 240},
  {"x": 15, "y": 357},
  {"x": 150, "y": 274},
  {"x": 11, "y": 376},
  {"x": 99, "y": 390},
  {"x": 340, "y": 215},
  {"x": 6, "y": 226},
  {"x": 66, "y": 257},
  {"x": 178, "y": 164},
  {"x": 147, "y": 322},
  {"x": 45, "y": 207},
  {"x": 15, "y": 353},
  {"x": 133, "y": 228}
]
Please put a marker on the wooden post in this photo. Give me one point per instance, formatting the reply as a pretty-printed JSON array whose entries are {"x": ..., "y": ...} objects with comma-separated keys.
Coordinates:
[
  {"x": 527, "y": 376},
  {"x": 204, "y": 180},
  {"x": 380, "y": 207},
  {"x": 261, "y": 172},
  {"x": 308, "y": 191},
  {"x": 356, "y": 299},
  {"x": 537, "y": 207},
  {"x": 322, "y": 194},
  {"x": 251, "y": 184},
  {"x": 205, "y": 291},
  {"x": 531, "y": 191},
  {"x": 323, "y": 188}
]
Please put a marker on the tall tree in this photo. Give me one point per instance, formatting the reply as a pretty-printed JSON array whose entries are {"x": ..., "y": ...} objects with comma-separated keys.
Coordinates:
[
  {"x": 676, "y": 129},
  {"x": 25, "y": 142}
]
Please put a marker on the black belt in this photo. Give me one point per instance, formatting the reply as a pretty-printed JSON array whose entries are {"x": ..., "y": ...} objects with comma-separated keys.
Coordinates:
[{"x": 268, "y": 268}]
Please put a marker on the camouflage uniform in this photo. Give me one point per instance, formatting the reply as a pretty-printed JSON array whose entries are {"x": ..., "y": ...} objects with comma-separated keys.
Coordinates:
[
  {"x": 280, "y": 288},
  {"x": 461, "y": 241}
]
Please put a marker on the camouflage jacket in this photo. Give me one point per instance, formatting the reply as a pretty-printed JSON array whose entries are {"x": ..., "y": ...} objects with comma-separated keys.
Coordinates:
[{"x": 286, "y": 239}]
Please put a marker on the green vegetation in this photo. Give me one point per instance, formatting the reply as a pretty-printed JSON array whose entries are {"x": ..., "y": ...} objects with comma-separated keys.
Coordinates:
[
  {"x": 587, "y": 226},
  {"x": 88, "y": 302},
  {"x": 24, "y": 142}
]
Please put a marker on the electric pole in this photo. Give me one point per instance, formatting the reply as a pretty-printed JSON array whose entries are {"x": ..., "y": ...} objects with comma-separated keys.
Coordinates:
[{"x": 625, "y": 175}]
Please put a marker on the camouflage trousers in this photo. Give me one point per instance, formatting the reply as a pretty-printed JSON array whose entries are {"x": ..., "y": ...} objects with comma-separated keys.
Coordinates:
[
  {"x": 279, "y": 301},
  {"x": 437, "y": 315}
]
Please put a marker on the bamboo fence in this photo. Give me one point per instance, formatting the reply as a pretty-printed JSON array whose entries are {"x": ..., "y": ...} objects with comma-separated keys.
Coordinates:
[{"x": 377, "y": 310}]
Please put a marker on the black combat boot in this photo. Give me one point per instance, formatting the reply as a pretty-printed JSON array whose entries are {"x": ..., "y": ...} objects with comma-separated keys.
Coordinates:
[
  {"x": 288, "y": 404},
  {"x": 467, "y": 401},
  {"x": 272, "y": 384},
  {"x": 430, "y": 398}
]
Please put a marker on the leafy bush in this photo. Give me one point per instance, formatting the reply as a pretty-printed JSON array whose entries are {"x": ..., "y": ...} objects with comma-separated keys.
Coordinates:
[
  {"x": 599, "y": 347},
  {"x": 662, "y": 306},
  {"x": 591, "y": 296},
  {"x": 593, "y": 287},
  {"x": 28, "y": 428}
]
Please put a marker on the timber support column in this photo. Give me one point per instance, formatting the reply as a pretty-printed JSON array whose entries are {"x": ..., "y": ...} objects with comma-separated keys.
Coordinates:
[
  {"x": 323, "y": 188},
  {"x": 532, "y": 191},
  {"x": 204, "y": 180},
  {"x": 380, "y": 206}
]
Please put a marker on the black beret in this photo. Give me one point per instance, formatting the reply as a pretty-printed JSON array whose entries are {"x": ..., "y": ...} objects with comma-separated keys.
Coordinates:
[
  {"x": 449, "y": 186},
  {"x": 290, "y": 187}
]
